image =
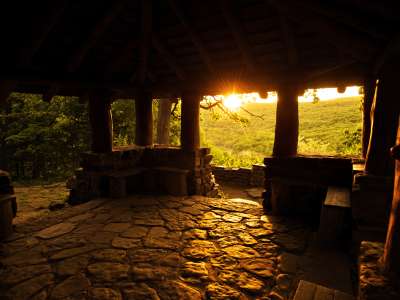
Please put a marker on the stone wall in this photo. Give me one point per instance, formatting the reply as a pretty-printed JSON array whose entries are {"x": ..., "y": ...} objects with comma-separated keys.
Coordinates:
[
  {"x": 254, "y": 176},
  {"x": 144, "y": 170}
]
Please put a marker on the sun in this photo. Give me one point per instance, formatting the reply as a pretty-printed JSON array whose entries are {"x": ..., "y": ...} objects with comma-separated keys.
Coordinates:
[{"x": 232, "y": 102}]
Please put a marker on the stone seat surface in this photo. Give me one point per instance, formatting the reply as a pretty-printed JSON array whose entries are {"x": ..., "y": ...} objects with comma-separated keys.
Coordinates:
[
  {"x": 154, "y": 247},
  {"x": 311, "y": 291}
]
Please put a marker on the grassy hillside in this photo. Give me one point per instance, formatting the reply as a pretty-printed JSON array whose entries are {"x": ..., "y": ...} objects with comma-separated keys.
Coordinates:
[{"x": 329, "y": 127}]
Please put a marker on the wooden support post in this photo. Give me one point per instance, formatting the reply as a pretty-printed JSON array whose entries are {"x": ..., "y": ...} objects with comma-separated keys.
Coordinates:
[
  {"x": 101, "y": 122},
  {"x": 287, "y": 122},
  {"x": 384, "y": 113},
  {"x": 190, "y": 123},
  {"x": 391, "y": 255},
  {"x": 144, "y": 118},
  {"x": 369, "y": 93}
]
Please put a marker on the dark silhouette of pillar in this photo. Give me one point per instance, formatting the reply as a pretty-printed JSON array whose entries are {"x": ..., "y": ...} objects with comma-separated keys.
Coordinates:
[
  {"x": 144, "y": 118},
  {"x": 384, "y": 115},
  {"x": 369, "y": 93},
  {"x": 391, "y": 255},
  {"x": 287, "y": 122},
  {"x": 101, "y": 122},
  {"x": 190, "y": 125}
]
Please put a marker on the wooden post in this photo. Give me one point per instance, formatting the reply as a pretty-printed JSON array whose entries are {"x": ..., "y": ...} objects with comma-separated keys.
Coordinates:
[
  {"x": 369, "y": 93},
  {"x": 190, "y": 125},
  {"x": 101, "y": 122},
  {"x": 384, "y": 113},
  {"x": 391, "y": 255},
  {"x": 287, "y": 122},
  {"x": 144, "y": 118}
]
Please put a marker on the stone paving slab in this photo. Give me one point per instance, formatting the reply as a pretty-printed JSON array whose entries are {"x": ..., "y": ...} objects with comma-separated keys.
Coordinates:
[{"x": 154, "y": 247}]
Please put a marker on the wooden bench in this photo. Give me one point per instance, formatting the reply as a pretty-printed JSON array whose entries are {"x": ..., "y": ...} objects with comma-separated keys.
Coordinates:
[
  {"x": 310, "y": 291},
  {"x": 335, "y": 209}
]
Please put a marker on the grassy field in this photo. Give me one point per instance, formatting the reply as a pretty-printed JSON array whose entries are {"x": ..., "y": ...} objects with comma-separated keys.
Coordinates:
[{"x": 327, "y": 128}]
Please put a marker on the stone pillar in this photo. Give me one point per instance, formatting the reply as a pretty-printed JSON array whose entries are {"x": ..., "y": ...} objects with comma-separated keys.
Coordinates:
[
  {"x": 391, "y": 255},
  {"x": 287, "y": 122},
  {"x": 190, "y": 125},
  {"x": 384, "y": 113},
  {"x": 144, "y": 118},
  {"x": 101, "y": 122},
  {"x": 369, "y": 93}
]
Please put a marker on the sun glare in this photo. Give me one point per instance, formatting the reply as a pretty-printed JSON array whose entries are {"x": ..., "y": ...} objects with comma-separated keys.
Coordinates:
[{"x": 232, "y": 102}]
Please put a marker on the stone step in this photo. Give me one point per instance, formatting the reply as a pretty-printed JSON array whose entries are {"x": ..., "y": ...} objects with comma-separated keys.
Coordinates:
[{"x": 310, "y": 291}]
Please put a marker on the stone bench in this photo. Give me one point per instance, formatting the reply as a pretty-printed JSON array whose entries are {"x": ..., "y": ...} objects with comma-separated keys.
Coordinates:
[
  {"x": 310, "y": 291},
  {"x": 172, "y": 181},
  {"x": 118, "y": 181},
  {"x": 7, "y": 213},
  {"x": 335, "y": 212}
]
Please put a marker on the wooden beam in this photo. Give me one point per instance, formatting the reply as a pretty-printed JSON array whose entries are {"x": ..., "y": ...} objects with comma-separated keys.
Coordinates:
[
  {"x": 358, "y": 46},
  {"x": 40, "y": 33},
  {"x": 192, "y": 34},
  {"x": 392, "y": 48},
  {"x": 146, "y": 31},
  {"x": 167, "y": 56},
  {"x": 238, "y": 34},
  {"x": 95, "y": 34},
  {"x": 288, "y": 38},
  {"x": 344, "y": 17}
]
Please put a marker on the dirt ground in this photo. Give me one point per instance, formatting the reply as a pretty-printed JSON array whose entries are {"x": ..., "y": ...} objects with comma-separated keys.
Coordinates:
[{"x": 34, "y": 200}]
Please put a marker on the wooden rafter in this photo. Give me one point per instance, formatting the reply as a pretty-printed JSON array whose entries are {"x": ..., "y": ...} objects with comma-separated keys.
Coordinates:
[
  {"x": 120, "y": 57},
  {"x": 238, "y": 34},
  {"x": 342, "y": 17},
  {"x": 95, "y": 34},
  {"x": 192, "y": 34},
  {"x": 357, "y": 46},
  {"x": 392, "y": 48},
  {"x": 168, "y": 57},
  {"x": 292, "y": 55},
  {"x": 40, "y": 33},
  {"x": 145, "y": 44}
]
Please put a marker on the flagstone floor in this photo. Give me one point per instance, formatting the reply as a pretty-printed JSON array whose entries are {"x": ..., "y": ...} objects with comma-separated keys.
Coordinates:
[{"x": 154, "y": 247}]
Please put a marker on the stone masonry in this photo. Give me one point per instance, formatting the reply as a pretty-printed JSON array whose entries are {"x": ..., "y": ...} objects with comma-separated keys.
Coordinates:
[{"x": 154, "y": 247}]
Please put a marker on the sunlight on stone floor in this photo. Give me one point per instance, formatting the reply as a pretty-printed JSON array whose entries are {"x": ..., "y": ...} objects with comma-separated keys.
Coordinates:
[{"x": 154, "y": 247}]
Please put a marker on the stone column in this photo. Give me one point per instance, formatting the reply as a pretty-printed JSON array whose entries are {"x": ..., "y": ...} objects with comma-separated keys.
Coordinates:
[
  {"x": 384, "y": 113},
  {"x": 391, "y": 255},
  {"x": 101, "y": 122},
  {"x": 369, "y": 93},
  {"x": 287, "y": 122},
  {"x": 144, "y": 118},
  {"x": 190, "y": 125}
]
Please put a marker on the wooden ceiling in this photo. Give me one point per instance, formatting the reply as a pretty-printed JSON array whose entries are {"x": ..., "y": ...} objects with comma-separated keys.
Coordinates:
[{"x": 71, "y": 47}]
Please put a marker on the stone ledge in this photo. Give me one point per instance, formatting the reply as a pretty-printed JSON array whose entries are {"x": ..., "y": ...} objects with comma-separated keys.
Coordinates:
[{"x": 373, "y": 283}]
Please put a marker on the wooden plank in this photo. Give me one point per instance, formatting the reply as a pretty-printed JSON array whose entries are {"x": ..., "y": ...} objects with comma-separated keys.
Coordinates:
[
  {"x": 305, "y": 291},
  {"x": 168, "y": 57},
  {"x": 94, "y": 35},
  {"x": 338, "y": 196},
  {"x": 146, "y": 29},
  {"x": 40, "y": 33},
  {"x": 238, "y": 34},
  {"x": 192, "y": 34}
]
